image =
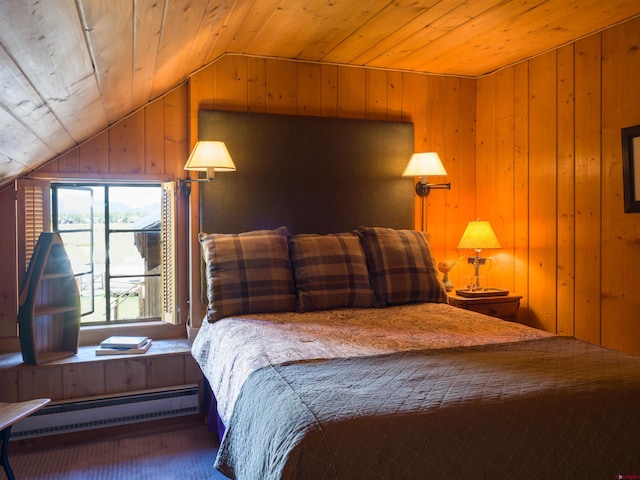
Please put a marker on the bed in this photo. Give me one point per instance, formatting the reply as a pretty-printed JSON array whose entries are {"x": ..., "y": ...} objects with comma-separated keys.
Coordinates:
[
  {"x": 337, "y": 356},
  {"x": 334, "y": 354}
]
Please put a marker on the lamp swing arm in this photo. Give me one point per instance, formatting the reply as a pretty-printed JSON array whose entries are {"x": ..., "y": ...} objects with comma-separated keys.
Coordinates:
[{"x": 423, "y": 188}]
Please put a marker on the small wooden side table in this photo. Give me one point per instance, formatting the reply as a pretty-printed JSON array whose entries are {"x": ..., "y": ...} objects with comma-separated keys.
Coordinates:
[
  {"x": 503, "y": 306},
  {"x": 10, "y": 413}
]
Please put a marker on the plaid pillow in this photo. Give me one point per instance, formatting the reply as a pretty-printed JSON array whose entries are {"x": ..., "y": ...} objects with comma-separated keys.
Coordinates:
[
  {"x": 330, "y": 271},
  {"x": 401, "y": 266},
  {"x": 248, "y": 273}
]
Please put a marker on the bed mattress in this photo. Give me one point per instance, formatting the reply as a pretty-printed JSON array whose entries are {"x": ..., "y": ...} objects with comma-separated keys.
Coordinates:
[
  {"x": 229, "y": 350},
  {"x": 416, "y": 391}
]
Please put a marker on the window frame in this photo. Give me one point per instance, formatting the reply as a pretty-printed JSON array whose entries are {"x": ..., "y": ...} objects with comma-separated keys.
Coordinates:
[{"x": 172, "y": 322}]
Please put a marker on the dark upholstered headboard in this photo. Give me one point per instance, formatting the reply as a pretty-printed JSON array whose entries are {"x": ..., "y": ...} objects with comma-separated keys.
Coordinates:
[{"x": 310, "y": 174}]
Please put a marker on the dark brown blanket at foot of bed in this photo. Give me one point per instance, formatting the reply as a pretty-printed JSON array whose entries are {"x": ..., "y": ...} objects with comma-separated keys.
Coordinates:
[{"x": 550, "y": 408}]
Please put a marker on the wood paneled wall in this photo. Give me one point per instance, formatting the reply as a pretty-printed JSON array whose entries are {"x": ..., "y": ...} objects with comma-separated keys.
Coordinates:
[
  {"x": 549, "y": 179},
  {"x": 149, "y": 145},
  {"x": 544, "y": 166}
]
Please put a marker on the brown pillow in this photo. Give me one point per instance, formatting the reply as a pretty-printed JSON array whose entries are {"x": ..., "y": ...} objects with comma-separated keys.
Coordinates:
[
  {"x": 401, "y": 266},
  {"x": 330, "y": 271},
  {"x": 248, "y": 273}
]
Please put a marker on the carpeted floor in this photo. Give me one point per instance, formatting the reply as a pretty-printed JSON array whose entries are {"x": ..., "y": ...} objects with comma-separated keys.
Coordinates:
[{"x": 182, "y": 453}]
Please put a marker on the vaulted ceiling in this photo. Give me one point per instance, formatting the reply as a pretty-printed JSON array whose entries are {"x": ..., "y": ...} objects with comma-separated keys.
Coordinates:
[{"x": 71, "y": 68}]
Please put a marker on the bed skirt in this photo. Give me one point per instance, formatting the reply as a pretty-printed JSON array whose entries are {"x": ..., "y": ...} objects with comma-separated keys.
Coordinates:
[{"x": 210, "y": 405}]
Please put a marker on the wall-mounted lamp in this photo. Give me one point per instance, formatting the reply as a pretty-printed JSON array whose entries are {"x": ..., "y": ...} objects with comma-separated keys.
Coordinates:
[
  {"x": 424, "y": 165},
  {"x": 208, "y": 156},
  {"x": 478, "y": 236}
]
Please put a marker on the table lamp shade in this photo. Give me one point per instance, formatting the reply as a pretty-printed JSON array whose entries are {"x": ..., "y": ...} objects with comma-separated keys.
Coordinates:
[{"x": 477, "y": 236}]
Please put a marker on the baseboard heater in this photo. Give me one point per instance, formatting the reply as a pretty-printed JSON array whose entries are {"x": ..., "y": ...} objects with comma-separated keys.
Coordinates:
[{"x": 104, "y": 412}]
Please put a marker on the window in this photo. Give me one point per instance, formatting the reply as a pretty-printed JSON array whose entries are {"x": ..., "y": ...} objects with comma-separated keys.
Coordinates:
[{"x": 119, "y": 239}]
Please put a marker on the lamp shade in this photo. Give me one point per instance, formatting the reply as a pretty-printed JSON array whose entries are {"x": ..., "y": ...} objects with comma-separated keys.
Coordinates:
[
  {"x": 210, "y": 156},
  {"x": 477, "y": 236},
  {"x": 423, "y": 165}
]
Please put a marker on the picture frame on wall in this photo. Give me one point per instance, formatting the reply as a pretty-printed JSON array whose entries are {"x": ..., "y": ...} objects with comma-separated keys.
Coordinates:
[{"x": 631, "y": 168}]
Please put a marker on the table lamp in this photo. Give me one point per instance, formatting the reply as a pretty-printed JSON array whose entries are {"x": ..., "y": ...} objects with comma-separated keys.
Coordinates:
[{"x": 478, "y": 236}]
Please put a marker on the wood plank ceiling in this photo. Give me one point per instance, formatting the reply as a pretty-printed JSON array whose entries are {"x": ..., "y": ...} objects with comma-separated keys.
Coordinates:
[{"x": 71, "y": 68}]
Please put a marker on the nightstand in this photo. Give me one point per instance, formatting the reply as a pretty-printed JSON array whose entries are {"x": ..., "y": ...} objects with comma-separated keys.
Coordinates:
[{"x": 504, "y": 306}]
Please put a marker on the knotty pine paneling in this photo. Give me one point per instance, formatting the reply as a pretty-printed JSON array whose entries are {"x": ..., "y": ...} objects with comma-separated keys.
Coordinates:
[
  {"x": 41, "y": 382},
  {"x": 588, "y": 195},
  {"x": 458, "y": 148},
  {"x": 394, "y": 95},
  {"x": 566, "y": 191},
  {"x": 125, "y": 375},
  {"x": 521, "y": 185},
  {"x": 542, "y": 192},
  {"x": 414, "y": 108},
  {"x": 486, "y": 206},
  {"x": 165, "y": 371},
  {"x": 176, "y": 134},
  {"x": 310, "y": 78},
  {"x": 281, "y": 90},
  {"x": 501, "y": 264},
  {"x": 151, "y": 142},
  {"x": 153, "y": 130},
  {"x": 200, "y": 87},
  {"x": 431, "y": 137},
  {"x": 230, "y": 78},
  {"x": 620, "y": 231},
  {"x": 376, "y": 91},
  {"x": 329, "y": 90},
  {"x": 83, "y": 380},
  {"x": 127, "y": 146},
  {"x": 351, "y": 92},
  {"x": 257, "y": 78},
  {"x": 498, "y": 180},
  {"x": 69, "y": 162},
  {"x": 461, "y": 204},
  {"x": 495, "y": 175},
  {"x": 94, "y": 155},
  {"x": 576, "y": 253}
]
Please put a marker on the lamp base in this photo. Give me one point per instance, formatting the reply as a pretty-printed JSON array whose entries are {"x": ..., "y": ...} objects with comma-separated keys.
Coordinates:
[{"x": 481, "y": 292}]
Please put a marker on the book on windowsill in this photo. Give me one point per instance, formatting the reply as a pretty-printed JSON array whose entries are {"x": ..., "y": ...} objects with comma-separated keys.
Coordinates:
[
  {"x": 122, "y": 341},
  {"x": 101, "y": 350}
]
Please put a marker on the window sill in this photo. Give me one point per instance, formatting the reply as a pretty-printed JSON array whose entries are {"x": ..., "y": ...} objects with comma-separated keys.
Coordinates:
[
  {"x": 87, "y": 354},
  {"x": 156, "y": 330},
  {"x": 93, "y": 335}
]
